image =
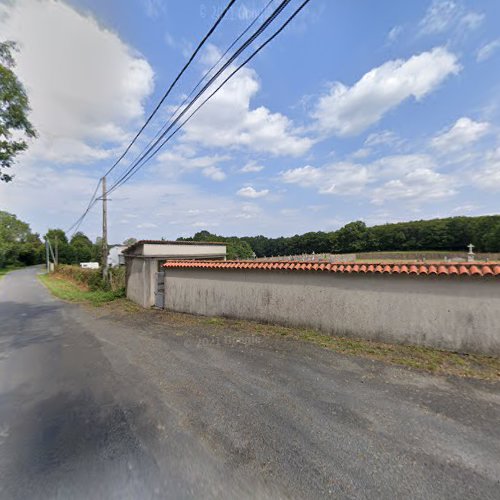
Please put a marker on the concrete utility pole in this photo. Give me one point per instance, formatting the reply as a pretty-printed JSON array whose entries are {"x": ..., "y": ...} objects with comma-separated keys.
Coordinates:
[
  {"x": 47, "y": 255},
  {"x": 104, "y": 231}
]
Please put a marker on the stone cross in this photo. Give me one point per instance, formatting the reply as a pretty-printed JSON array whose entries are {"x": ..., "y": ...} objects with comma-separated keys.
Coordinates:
[{"x": 470, "y": 256}]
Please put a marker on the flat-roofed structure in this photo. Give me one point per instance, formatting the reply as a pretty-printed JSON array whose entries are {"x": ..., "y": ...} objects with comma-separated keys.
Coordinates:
[{"x": 144, "y": 258}]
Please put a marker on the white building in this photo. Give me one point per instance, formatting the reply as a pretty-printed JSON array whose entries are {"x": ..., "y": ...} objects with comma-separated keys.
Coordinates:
[
  {"x": 115, "y": 255},
  {"x": 144, "y": 258}
]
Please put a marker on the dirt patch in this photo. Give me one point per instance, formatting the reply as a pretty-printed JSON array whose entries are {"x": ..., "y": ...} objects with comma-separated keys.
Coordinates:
[{"x": 417, "y": 358}]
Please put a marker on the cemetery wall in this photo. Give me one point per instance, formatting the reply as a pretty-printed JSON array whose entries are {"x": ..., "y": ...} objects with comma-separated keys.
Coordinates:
[{"x": 460, "y": 313}]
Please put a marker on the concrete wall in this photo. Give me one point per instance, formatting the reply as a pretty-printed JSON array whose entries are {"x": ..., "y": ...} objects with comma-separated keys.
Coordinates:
[
  {"x": 141, "y": 280},
  {"x": 456, "y": 312},
  {"x": 184, "y": 251}
]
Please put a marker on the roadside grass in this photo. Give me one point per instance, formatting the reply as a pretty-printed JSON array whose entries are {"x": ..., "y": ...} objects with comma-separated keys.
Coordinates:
[
  {"x": 436, "y": 361},
  {"x": 71, "y": 291},
  {"x": 420, "y": 358},
  {"x": 6, "y": 270},
  {"x": 426, "y": 359}
]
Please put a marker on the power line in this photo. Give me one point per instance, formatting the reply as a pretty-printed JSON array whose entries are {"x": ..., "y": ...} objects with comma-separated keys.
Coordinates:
[
  {"x": 153, "y": 150},
  {"x": 137, "y": 167},
  {"x": 265, "y": 24},
  {"x": 167, "y": 93},
  {"x": 207, "y": 73},
  {"x": 92, "y": 201}
]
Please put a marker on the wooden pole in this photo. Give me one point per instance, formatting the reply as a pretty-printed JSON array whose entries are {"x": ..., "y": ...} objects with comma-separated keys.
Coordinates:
[{"x": 104, "y": 231}]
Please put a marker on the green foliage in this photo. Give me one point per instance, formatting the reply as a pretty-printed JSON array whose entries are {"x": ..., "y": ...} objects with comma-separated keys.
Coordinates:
[
  {"x": 14, "y": 109},
  {"x": 92, "y": 278},
  {"x": 79, "y": 249},
  {"x": 67, "y": 289},
  {"x": 130, "y": 241},
  {"x": 449, "y": 234},
  {"x": 492, "y": 239},
  {"x": 236, "y": 247},
  {"x": 18, "y": 245}
]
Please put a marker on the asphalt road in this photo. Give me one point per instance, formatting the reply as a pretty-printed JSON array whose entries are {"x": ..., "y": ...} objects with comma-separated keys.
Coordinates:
[{"x": 98, "y": 405}]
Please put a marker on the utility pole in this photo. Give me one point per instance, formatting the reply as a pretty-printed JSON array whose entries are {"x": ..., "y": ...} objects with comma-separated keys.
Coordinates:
[
  {"x": 104, "y": 231},
  {"x": 47, "y": 257}
]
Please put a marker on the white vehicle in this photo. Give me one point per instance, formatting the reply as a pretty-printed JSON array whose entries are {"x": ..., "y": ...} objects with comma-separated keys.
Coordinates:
[{"x": 89, "y": 265}]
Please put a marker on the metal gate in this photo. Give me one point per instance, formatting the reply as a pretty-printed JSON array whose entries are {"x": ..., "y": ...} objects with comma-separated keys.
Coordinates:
[{"x": 160, "y": 290}]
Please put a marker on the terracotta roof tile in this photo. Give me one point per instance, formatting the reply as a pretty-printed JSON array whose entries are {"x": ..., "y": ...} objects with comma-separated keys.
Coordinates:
[{"x": 439, "y": 269}]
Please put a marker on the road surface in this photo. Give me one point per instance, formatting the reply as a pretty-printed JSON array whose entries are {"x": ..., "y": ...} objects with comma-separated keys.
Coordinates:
[{"x": 95, "y": 405}]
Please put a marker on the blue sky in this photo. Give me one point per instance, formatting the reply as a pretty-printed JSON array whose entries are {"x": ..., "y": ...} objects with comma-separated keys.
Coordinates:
[{"x": 380, "y": 111}]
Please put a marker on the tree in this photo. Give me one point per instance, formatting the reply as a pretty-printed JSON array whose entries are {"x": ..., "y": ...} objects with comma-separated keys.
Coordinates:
[
  {"x": 18, "y": 245},
  {"x": 492, "y": 239},
  {"x": 81, "y": 248},
  {"x": 130, "y": 241},
  {"x": 58, "y": 237},
  {"x": 14, "y": 109},
  {"x": 351, "y": 238},
  {"x": 236, "y": 247}
]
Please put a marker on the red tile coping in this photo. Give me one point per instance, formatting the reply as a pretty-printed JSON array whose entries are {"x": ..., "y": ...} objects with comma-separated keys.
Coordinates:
[{"x": 440, "y": 269}]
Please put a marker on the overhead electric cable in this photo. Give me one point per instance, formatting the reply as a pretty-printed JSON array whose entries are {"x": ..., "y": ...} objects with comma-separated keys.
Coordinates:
[
  {"x": 92, "y": 201},
  {"x": 207, "y": 73},
  {"x": 264, "y": 25},
  {"x": 167, "y": 93},
  {"x": 215, "y": 91}
]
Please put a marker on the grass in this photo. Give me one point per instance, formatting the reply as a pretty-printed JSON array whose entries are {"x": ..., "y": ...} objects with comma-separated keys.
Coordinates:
[
  {"x": 426, "y": 359},
  {"x": 70, "y": 291},
  {"x": 5, "y": 270}
]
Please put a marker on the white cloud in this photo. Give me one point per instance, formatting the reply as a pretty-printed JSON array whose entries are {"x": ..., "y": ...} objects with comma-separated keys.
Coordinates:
[
  {"x": 443, "y": 15},
  {"x": 417, "y": 186},
  {"x": 471, "y": 20},
  {"x": 204, "y": 224},
  {"x": 487, "y": 177},
  {"x": 249, "y": 211},
  {"x": 361, "y": 153},
  {"x": 184, "y": 159},
  {"x": 463, "y": 133},
  {"x": 409, "y": 177},
  {"x": 486, "y": 51},
  {"x": 250, "y": 192},
  {"x": 465, "y": 209},
  {"x": 350, "y": 110},
  {"x": 229, "y": 121},
  {"x": 214, "y": 173},
  {"x": 251, "y": 167},
  {"x": 394, "y": 34},
  {"x": 384, "y": 137},
  {"x": 338, "y": 178},
  {"x": 439, "y": 16},
  {"x": 86, "y": 86},
  {"x": 154, "y": 8}
]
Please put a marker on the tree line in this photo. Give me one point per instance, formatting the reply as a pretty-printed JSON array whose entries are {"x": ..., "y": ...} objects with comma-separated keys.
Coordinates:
[
  {"x": 19, "y": 246},
  {"x": 449, "y": 234}
]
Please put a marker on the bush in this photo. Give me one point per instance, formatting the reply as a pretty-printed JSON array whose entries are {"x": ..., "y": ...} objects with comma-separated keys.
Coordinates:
[
  {"x": 117, "y": 279},
  {"x": 92, "y": 278}
]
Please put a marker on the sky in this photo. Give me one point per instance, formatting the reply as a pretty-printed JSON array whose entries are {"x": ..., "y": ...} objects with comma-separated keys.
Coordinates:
[{"x": 379, "y": 111}]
